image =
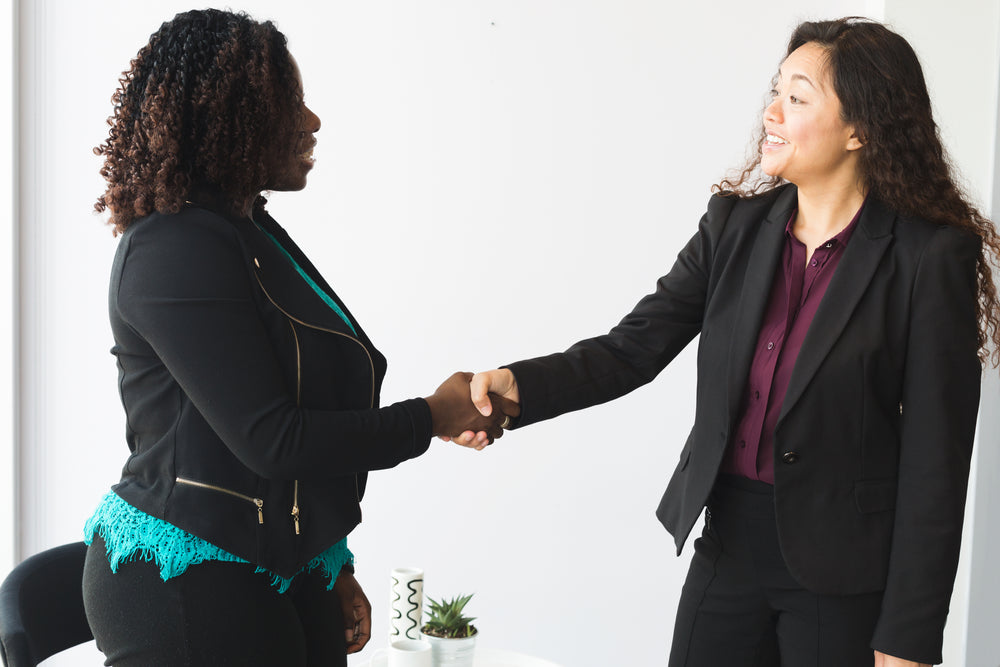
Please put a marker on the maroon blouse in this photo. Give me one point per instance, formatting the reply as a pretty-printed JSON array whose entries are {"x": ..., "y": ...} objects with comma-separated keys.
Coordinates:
[{"x": 795, "y": 296}]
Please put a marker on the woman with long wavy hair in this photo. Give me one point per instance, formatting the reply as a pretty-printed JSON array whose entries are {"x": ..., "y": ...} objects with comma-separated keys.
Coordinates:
[
  {"x": 842, "y": 290},
  {"x": 251, "y": 392}
]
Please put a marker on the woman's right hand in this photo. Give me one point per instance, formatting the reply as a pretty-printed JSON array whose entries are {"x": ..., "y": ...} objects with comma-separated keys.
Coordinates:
[
  {"x": 453, "y": 413},
  {"x": 499, "y": 383}
]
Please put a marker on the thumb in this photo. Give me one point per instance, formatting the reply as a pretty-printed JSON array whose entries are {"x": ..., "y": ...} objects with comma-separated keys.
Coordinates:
[{"x": 480, "y": 387}]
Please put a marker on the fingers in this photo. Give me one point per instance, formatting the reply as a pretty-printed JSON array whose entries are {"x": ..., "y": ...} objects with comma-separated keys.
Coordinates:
[
  {"x": 505, "y": 405},
  {"x": 364, "y": 623},
  {"x": 357, "y": 620},
  {"x": 501, "y": 382},
  {"x": 481, "y": 386}
]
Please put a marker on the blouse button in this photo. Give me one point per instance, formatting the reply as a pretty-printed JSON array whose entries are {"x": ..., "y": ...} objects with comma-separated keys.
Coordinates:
[{"x": 770, "y": 346}]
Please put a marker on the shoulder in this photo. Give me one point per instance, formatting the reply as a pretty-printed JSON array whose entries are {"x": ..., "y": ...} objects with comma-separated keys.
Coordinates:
[
  {"x": 189, "y": 229},
  {"x": 735, "y": 219},
  {"x": 188, "y": 252},
  {"x": 923, "y": 238},
  {"x": 729, "y": 205}
]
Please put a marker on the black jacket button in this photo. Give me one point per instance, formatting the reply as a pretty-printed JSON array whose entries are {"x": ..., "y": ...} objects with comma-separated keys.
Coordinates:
[{"x": 790, "y": 457}]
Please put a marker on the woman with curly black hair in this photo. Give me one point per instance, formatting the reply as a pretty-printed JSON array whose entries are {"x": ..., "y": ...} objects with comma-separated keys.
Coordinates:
[
  {"x": 842, "y": 290},
  {"x": 250, "y": 390}
]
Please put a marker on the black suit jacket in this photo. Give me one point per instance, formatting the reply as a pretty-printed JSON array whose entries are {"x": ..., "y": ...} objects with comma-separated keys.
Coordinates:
[
  {"x": 873, "y": 445},
  {"x": 252, "y": 408}
]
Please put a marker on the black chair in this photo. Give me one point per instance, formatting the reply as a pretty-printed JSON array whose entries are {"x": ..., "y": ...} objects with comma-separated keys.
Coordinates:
[{"x": 41, "y": 606}]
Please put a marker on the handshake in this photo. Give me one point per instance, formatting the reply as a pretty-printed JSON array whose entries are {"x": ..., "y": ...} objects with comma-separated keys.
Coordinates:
[{"x": 473, "y": 410}]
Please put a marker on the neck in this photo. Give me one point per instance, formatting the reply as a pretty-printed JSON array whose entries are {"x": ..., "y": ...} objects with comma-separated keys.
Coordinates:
[
  {"x": 825, "y": 213},
  {"x": 213, "y": 198}
]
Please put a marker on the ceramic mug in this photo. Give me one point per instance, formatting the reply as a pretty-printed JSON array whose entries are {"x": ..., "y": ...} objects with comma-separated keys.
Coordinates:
[{"x": 406, "y": 653}]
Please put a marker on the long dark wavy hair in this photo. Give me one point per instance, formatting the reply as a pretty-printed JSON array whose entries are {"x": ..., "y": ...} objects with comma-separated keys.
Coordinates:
[
  {"x": 205, "y": 106},
  {"x": 882, "y": 92}
]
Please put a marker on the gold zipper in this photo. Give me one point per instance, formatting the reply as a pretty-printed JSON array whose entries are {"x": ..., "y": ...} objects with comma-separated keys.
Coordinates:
[
  {"x": 295, "y": 507},
  {"x": 298, "y": 375},
  {"x": 256, "y": 501},
  {"x": 371, "y": 364},
  {"x": 298, "y": 401}
]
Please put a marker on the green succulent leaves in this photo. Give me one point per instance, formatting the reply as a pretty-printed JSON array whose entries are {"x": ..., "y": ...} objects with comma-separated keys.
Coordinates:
[{"x": 445, "y": 619}]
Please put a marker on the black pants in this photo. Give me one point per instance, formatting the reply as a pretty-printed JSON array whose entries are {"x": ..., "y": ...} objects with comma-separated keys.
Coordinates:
[
  {"x": 213, "y": 614},
  {"x": 740, "y": 607}
]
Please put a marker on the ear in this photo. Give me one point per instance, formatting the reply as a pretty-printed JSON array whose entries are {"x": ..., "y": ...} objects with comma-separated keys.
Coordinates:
[{"x": 854, "y": 141}]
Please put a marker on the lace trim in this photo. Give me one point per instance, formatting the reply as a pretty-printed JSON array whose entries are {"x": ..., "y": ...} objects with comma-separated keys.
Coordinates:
[{"x": 130, "y": 533}]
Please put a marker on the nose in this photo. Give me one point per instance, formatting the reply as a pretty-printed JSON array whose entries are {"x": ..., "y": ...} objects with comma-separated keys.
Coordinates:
[
  {"x": 311, "y": 121},
  {"x": 772, "y": 112}
]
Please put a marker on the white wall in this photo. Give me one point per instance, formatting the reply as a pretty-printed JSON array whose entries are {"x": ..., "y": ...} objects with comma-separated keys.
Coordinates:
[
  {"x": 483, "y": 171},
  {"x": 7, "y": 287},
  {"x": 983, "y": 645}
]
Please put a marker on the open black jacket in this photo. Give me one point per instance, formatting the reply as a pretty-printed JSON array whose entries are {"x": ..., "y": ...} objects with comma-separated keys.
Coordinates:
[
  {"x": 252, "y": 408},
  {"x": 874, "y": 442}
]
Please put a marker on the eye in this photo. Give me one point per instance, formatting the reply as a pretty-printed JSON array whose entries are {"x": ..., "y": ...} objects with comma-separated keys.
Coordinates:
[
  {"x": 774, "y": 93},
  {"x": 794, "y": 100}
]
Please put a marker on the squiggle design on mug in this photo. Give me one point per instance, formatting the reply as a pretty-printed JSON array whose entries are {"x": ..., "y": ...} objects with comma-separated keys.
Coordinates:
[
  {"x": 411, "y": 631},
  {"x": 397, "y": 614},
  {"x": 414, "y": 608}
]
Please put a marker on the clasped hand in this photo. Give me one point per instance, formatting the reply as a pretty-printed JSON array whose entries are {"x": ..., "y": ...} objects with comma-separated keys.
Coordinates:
[{"x": 455, "y": 416}]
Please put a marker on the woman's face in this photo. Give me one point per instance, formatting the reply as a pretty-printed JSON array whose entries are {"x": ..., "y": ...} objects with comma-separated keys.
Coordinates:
[
  {"x": 295, "y": 161},
  {"x": 807, "y": 142}
]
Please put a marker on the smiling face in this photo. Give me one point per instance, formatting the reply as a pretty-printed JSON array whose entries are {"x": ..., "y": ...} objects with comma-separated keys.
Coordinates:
[
  {"x": 807, "y": 141},
  {"x": 293, "y": 163}
]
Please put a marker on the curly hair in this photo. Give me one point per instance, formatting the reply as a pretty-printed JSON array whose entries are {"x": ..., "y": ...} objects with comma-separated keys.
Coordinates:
[
  {"x": 882, "y": 92},
  {"x": 205, "y": 105}
]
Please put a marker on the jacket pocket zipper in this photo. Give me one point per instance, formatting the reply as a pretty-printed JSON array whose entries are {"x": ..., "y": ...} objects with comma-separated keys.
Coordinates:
[
  {"x": 202, "y": 485},
  {"x": 295, "y": 507}
]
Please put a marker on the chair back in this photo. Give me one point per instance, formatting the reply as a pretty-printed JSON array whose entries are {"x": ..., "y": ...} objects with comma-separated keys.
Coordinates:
[{"x": 41, "y": 606}]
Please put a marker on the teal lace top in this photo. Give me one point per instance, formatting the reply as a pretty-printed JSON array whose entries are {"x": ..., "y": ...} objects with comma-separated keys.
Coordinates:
[{"x": 130, "y": 533}]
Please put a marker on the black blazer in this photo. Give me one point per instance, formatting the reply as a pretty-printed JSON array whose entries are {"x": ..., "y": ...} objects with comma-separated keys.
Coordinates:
[
  {"x": 873, "y": 445},
  {"x": 252, "y": 408}
]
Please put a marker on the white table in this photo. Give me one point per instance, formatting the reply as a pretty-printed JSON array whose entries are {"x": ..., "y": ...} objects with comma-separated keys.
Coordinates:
[{"x": 488, "y": 657}]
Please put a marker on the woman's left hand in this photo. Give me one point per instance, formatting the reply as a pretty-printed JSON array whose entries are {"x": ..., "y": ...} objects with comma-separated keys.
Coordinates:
[
  {"x": 357, "y": 611},
  {"x": 883, "y": 660}
]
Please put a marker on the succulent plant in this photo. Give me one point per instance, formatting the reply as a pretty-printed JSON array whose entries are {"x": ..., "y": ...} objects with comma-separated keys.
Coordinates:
[{"x": 445, "y": 619}]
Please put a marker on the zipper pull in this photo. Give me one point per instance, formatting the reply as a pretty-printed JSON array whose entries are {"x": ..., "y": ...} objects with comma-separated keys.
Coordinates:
[
  {"x": 260, "y": 510},
  {"x": 295, "y": 515}
]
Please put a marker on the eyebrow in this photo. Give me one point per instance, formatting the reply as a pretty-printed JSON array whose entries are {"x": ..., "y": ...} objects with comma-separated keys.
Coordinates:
[
  {"x": 795, "y": 77},
  {"x": 803, "y": 77}
]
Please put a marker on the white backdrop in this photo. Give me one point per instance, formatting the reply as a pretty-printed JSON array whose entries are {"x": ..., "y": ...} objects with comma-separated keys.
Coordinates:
[{"x": 485, "y": 170}]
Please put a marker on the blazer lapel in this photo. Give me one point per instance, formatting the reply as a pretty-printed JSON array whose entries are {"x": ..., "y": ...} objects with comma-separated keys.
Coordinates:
[
  {"x": 854, "y": 273},
  {"x": 756, "y": 289},
  {"x": 288, "y": 290}
]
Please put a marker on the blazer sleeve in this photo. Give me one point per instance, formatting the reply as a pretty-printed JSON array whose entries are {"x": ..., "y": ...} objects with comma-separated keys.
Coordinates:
[
  {"x": 941, "y": 385},
  {"x": 600, "y": 369},
  {"x": 184, "y": 288}
]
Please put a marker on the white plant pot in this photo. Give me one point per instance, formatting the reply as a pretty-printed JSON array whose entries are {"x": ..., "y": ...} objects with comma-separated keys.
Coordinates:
[{"x": 448, "y": 652}]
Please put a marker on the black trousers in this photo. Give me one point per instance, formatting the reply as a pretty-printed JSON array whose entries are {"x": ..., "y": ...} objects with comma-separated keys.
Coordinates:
[
  {"x": 214, "y": 614},
  {"x": 740, "y": 607}
]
